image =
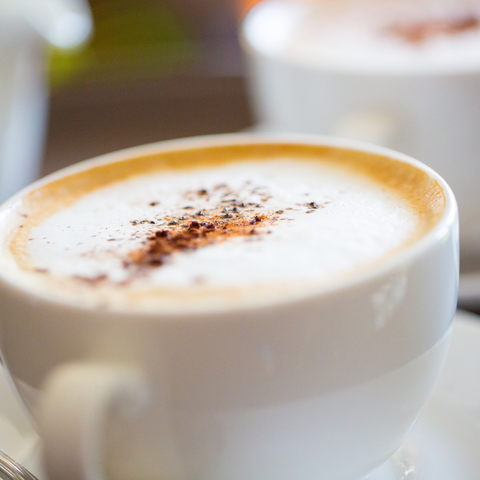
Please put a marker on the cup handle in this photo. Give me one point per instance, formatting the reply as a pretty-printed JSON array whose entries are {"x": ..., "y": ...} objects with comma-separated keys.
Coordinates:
[
  {"x": 374, "y": 126},
  {"x": 73, "y": 415}
]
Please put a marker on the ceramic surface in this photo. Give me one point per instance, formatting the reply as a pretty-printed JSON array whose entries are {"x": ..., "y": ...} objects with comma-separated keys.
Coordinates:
[
  {"x": 443, "y": 445},
  {"x": 214, "y": 415},
  {"x": 26, "y": 27}
]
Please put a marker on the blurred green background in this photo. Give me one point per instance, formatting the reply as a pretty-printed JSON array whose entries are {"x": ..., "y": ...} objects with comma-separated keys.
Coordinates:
[
  {"x": 138, "y": 39},
  {"x": 153, "y": 70}
]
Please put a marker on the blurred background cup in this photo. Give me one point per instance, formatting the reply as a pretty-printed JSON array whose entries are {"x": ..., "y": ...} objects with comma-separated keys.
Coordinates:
[
  {"x": 26, "y": 28},
  {"x": 403, "y": 74}
]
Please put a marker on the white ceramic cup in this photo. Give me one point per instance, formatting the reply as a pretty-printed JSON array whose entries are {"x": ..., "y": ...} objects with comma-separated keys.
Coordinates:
[
  {"x": 322, "y": 388},
  {"x": 431, "y": 113},
  {"x": 25, "y": 28}
]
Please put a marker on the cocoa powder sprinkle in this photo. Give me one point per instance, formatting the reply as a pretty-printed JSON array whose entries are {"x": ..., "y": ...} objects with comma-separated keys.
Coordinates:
[
  {"x": 417, "y": 33},
  {"x": 217, "y": 217},
  {"x": 162, "y": 244}
]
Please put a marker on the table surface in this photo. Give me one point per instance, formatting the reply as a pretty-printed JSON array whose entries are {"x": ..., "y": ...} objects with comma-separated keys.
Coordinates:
[{"x": 86, "y": 121}]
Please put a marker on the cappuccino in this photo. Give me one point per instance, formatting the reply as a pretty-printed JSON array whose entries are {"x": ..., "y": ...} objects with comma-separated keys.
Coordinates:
[
  {"x": 257, "y": 303},
  {"x": 214, "y": 228},
  {"x": 369, "y": 35}
]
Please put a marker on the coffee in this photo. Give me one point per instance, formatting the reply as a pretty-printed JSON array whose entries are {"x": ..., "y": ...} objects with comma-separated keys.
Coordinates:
[
  {"x": 375, "y": 35},
  {"x": 243, "y": 353},
  {"x": 214, "y": 228}
]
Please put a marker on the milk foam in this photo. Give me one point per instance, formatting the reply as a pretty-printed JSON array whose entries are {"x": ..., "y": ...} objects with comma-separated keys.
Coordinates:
[
  {"x": 320, "y": 223},
  {"x": 359, "y": 34}
]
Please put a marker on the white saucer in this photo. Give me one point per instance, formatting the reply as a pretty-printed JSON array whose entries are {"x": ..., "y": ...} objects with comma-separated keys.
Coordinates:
[
  {"x": 445, "y": 442},
  {"x": 443, "y": 445}
]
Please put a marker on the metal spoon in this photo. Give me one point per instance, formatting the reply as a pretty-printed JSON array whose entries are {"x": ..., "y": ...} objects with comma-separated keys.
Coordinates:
[{"x": 12, "y": 470}]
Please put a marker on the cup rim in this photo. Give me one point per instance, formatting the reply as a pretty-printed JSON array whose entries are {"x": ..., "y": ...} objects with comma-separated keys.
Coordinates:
[{"x": 441, "y": 229}]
